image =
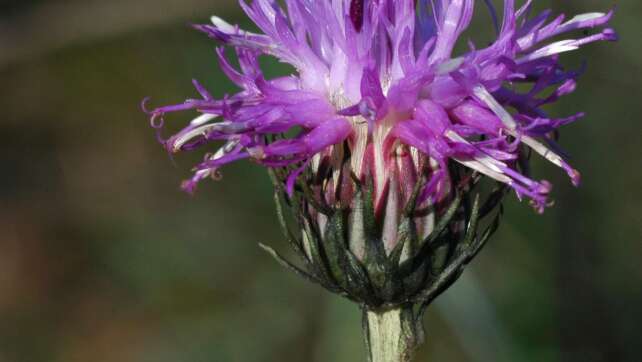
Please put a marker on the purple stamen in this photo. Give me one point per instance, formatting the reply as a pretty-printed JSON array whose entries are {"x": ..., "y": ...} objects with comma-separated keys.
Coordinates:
[{"x": 356, "y": 14}]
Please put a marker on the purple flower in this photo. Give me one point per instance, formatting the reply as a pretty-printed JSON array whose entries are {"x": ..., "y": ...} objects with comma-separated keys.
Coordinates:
[{"x": 378, "y": 81}]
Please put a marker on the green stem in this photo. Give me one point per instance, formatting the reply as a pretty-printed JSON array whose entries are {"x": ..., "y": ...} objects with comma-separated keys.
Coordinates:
[{"x": 391, "y": 335}]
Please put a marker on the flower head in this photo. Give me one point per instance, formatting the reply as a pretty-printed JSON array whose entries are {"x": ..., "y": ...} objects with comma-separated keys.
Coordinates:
[
  {"x": 379, "y": 80},
  {"x": 378, "y": 140}
]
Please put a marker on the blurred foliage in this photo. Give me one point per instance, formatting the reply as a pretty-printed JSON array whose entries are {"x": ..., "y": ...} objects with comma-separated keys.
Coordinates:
[{"x": 102, "y": 258}]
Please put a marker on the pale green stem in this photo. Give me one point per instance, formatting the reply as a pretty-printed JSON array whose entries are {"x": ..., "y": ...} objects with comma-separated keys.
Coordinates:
[{"x": 391, "y": 335}]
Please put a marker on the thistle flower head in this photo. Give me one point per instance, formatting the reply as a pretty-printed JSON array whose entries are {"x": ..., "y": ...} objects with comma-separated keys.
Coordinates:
[{"x": 380, "y": 135}]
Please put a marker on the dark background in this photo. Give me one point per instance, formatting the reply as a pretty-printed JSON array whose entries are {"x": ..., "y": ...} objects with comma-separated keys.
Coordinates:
[{"x": 102, "y": 258}]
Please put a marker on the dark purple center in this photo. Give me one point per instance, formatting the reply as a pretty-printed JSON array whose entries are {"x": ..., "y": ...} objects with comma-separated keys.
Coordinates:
[{"x": 356, "y": 14}]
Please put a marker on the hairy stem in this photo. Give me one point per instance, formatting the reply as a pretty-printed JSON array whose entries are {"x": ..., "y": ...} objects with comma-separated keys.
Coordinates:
[{"x": 391, "y": 335}]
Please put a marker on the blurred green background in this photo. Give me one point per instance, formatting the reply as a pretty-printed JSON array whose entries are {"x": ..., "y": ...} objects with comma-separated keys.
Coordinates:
[{"x": 102, "y": 258}]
